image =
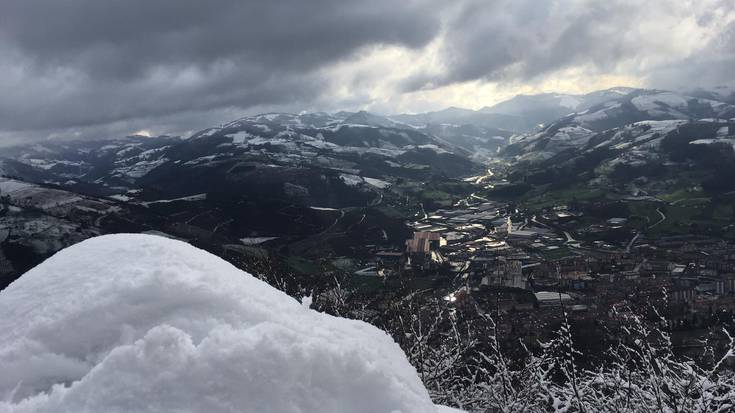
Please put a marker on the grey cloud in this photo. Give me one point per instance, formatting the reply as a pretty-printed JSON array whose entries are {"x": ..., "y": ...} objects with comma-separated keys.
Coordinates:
[
  {"x": 80, "y": 62},
  {"x": 713, "y": 65},
  {"x": 526, "y": 40},
  {"x": 85, "y": 67}
]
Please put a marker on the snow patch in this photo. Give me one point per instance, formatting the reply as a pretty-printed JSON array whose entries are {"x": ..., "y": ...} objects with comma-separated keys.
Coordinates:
[
  {"x": 653, "y": 103},
  {"x": 239, "y": 137},
  {"x": 120, "y": 197},
  {"x": 143, "y": 323},
  {"x": 351, "y": 180},
  {"x": 139, "y": 169},
  {"x": 378, "y": 183},
  {"x": 256, "y": 240},
  {"x": 8, "y": 186},
  {"x": 209, "y": 132},
  {"x": 433, "y": 147},
  {"x": 316, "y": 208},
  {"x": 190, "y": 198},
  {"x": 569, "y": 101}
]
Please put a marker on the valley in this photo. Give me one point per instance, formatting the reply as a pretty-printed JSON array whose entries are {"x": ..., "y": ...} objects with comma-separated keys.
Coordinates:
[{"x": 608, "y": 207}]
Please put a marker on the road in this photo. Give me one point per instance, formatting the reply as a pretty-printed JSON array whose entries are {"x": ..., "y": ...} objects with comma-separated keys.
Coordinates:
[
  {"x": 536, "y": 221},
  {"x": 226, "y": 222},
  {"x": 632, "y": 241},
  {"x": 334, "y": 224},
  {"x": 678, "y": 201},
  {"x": 663, "y": 218},
  {"x": 423, "y": 211},
  {"x": 466, "y": 201},
  {"x": 377, "y": 201}
]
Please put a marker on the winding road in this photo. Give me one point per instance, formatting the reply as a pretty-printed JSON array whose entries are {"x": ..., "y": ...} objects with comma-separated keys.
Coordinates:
[
  {"x": 336, "y": 221},
  {"x": 663, "y": 218},
  {"x": 632, "y": 241}
]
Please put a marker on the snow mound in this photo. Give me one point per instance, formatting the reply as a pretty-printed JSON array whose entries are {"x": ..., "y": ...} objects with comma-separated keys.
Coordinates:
[{"x": 142, "y": 323}]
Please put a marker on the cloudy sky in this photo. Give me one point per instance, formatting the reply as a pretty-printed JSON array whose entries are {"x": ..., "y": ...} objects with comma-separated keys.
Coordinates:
[{"x": 113, "y": 67}]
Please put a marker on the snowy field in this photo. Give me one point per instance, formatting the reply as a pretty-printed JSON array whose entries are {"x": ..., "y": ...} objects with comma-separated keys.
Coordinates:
[{"x": 8, "y": 186}]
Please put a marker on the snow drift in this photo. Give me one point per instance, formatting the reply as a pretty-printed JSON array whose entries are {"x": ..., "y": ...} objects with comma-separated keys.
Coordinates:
[{"x": 142, "y": 323}]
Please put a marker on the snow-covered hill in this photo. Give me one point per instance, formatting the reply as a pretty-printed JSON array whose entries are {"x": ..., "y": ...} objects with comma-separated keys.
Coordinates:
[
  {"x": 721, "y": 93},
  {"x": 542, "y": 109},
  {"x": 655, "y": 158},
  {"x": 602, "y": 109},
  {"x": 460, "y": 116},
  {"x": 140, "y": 323},
  {"x": 576, "y": 129},
  {"x": 309, "y": 158}
]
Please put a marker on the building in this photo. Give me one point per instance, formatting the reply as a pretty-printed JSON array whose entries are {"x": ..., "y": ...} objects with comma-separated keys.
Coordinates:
[
  {"x": 389, "y": 260},
  {"x": 505, "y": 273},
  {"x": 617, "y": 221},
  {"x": 546, "y": 299},
  {"x": 422, "y": 251},
  {"x": 525, "y": 237},
  {"x": 682, "y": 295}
]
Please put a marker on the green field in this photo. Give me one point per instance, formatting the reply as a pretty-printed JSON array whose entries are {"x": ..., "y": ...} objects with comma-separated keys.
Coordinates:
[
  {"x": 556, "y": 254},
  {"x": 541, "y": 198},
  {"x": 303, "y": 265},
  {"x": 694, "y": 216}
]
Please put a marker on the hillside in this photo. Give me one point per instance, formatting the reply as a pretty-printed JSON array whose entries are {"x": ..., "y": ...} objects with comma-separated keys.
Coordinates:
[
  {"x": 460, "y": 116},
  {"x": 576, "y": 129},
  {"x": 310, "y": 185},
  {"x": 547, "y": 107},
  {"x": 646, "y": 153}
]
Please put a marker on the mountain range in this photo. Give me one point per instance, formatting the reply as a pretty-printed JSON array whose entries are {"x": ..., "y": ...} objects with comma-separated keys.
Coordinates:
[{"x": 321, "y": 183}]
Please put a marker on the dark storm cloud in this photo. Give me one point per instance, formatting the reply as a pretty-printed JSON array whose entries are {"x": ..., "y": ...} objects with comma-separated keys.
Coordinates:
[
  {"x": 123, "y": 39},
  {"x": 79, "y": 62},
  {"x": 526, "y": 40},
  {"x": 713, "y": 65},
  {"x": 90, "y": 67}
]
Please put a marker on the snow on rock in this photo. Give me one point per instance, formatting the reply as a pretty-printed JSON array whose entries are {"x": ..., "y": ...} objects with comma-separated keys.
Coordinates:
[{"x": 142, "y": 323}]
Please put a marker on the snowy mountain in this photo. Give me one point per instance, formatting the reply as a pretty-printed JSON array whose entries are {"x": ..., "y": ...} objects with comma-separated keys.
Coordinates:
[
  {"x": 481, "y": 143},
  {"x": 312, "y": 151},
  {"x": 527, "y": 113},
  {"x": 142, "y": 323},
  {"x": 323, "y": 161},
  {"x": 295, "y": 179},
  {"x": 459, "y": 116},
  {"x": 576, "y": 129},
  {"x": 655, "y": 158},
  {"x": 368, "y": 119},
  {"x": 543, "y": 108},
  {"x": 721, "y": 93}
]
